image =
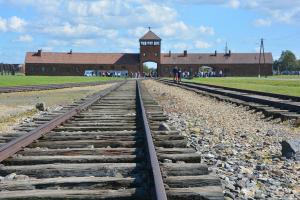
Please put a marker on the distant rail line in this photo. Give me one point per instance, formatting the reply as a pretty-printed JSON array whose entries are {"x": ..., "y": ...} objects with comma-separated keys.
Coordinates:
[
  {"x": 273, "y": 105},
  {"x": 108, "y": 146},
  {"x": 50, "y": 86}
]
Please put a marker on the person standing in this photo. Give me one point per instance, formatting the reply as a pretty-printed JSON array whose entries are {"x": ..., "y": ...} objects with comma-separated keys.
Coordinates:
[
  {"x": 179, "y": 75},
  {"x": 175, "y": 74}
]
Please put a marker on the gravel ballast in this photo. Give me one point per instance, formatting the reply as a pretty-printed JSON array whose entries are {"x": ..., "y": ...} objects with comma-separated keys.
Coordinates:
[
  {"x": 240, "y": 145},
  {"x": 18, "y": 106}
]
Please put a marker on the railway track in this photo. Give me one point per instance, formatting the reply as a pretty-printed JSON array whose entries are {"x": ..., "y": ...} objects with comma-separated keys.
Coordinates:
[
  {"x": 49, "y": 87},
  {"x": 109, "y": 146},
  {"x": 272, "y": 105}
]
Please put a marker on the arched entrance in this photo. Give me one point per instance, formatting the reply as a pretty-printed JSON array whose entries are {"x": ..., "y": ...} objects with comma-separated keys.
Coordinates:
[{"x": 150, "y": 69}]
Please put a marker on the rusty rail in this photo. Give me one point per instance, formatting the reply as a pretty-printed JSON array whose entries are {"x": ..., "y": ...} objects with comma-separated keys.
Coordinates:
[
  {"x": 17, "y": 144},
  {"x": 27, "y": 88},
  {"x": 159, "y": 188}
]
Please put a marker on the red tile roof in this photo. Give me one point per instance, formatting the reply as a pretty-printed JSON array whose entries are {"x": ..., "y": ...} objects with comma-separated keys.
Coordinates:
[
  {"x": 83, "y": 58},
  {"x": 133, "y": 58},
  {"x": 206, "y": 58}
]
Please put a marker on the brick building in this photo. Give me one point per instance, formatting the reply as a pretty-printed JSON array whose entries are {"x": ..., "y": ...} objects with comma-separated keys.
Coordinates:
[{"x": 76, "y": 64}]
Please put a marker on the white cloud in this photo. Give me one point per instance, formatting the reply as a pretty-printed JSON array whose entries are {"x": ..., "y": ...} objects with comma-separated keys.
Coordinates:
[
  {"x": 47, "y": 48},
  {"x": 202, "y": 45},
  {"x": 3, "y": 24},
  {"x": 234, "y": 3},
  {"x": 126, "y": 42},
  {"x": 24, "y": 38},
  {"x": 137, "y": 32},
  {"x": 14, "y": 24},
  {"x": 79, "y": 8},
  {"x": 262, "y": 22},
  {"x": 84, "y": 42},
  {"x": 159, "y": 14},
  {"x": 181, "y": 46},
  {"x": 80, "y": 30},
  {"x": 173, "y": 29},
  {"x": 77, "y": 21},
  {"x": 287, "y": 11},
  {"x": 207, "y": 30},
  {"x": 58, "y": 42}
]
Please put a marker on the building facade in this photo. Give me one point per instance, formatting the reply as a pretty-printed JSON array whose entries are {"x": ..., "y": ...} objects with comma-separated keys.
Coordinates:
[{"x": 76, "y": 64}]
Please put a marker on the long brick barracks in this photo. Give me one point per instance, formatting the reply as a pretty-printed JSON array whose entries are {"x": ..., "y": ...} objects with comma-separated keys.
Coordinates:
[{"x": 76, "y": 64}]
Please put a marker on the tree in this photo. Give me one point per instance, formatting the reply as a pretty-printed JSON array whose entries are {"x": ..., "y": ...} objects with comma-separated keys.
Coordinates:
[
  {"x": 277, "y": 66},
  {"x": 298, "y": 65},
  {"x": 146, "y": 69},
  {"x": 287, "y": 61}
]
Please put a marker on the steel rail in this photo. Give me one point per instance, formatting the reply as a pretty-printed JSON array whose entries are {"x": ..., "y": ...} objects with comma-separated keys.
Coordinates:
[
  {"x": 268, "y": 94},
  {"x": 292, "y": 106},
  {"x": 160, "y": 192},
  {"x": 17, "y": 144},
  {"x": 26, "y": 88}
]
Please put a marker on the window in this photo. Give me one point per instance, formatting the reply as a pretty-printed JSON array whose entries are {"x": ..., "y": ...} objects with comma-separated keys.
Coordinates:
[
  {"x": 149, "y": 42},
  {"x": 43, "y": 69},
  {"x": 144, "y": 54},
  {"x": 156, "y": 43},
  {"x": 143, "y": 43}
]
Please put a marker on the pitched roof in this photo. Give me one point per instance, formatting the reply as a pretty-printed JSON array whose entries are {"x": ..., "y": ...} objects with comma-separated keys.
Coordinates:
[
  {"x": 150, "y": 36},
  {"x": 206, "y": 58},
  {"x": 133, "y": 58},
  {"x": 83, "y": 58}
]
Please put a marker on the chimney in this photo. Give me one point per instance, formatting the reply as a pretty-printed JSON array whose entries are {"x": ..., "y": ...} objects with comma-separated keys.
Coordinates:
[
  {"x": 70, "y": 52},
  {"x": 185, "y": 53},
  {"x": 229, "y": 53},
  {"x": 169, "y": 53},
  {"x": 39, "y": 53},
  {"x": 215, "y": 52}
]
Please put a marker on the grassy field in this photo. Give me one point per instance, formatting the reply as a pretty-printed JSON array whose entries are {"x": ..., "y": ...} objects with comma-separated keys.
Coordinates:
[
  {"x": 44, "y": 80},
  {"x": 271, "y": 84},
  {"x": 285, "y": 77}
]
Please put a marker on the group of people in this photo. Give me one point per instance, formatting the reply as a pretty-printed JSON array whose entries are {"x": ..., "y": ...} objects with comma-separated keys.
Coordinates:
[
  {"x": 177, "y": 74},
  {"x": 210, "y": 74},
  {"x": 135, "y": 75}
]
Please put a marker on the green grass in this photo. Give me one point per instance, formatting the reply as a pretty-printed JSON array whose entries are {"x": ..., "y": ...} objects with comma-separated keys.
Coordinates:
[
  {"x": 271, "y": 85},
  {"x": 285, "y": 77},
  {"x": 44, "y": 80}
]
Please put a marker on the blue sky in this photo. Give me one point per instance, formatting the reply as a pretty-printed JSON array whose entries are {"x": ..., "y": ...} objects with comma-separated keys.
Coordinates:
[{"x": 116, "y": 25}]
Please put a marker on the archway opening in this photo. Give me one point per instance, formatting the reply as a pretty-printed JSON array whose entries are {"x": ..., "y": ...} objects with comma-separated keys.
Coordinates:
[{"x": 150, "y": 69}]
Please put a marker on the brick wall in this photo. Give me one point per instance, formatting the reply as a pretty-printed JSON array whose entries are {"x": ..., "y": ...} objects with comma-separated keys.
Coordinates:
[
  {"x": 228, "y": 70},
  {"x": 72, "y": 69}
]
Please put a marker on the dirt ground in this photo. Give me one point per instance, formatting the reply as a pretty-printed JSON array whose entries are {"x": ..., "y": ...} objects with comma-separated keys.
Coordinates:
[{"x": 15, "y": 107}]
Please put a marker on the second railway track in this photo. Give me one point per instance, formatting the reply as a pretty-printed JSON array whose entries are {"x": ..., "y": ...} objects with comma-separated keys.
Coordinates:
[
  {"x": 272, "y": 105},
  {"x": 111, "y": 148}
]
